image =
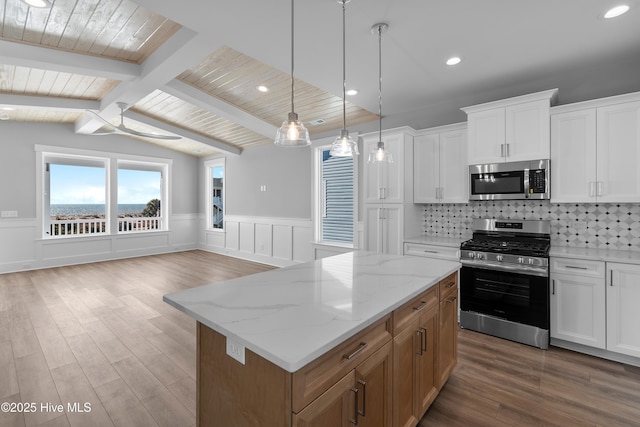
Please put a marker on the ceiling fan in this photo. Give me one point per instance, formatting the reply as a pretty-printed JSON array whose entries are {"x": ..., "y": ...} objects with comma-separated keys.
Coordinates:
[{"x": 121, "y": 129}]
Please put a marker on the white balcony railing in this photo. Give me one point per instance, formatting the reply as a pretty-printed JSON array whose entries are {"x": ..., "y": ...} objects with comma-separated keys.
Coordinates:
[{"x": 98, "y": 226}]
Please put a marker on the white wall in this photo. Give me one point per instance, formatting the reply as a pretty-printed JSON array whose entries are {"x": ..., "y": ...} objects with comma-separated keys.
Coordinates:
[{"x": 21, "y": 247}]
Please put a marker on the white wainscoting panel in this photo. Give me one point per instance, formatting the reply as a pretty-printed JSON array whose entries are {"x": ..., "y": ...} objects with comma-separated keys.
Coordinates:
[
  {"x": 247, "y": 237},
  {"x": 21, "y": 247},
  {"x": 264, "y": 238},
  {"x": 274, "y": 241},
  {"x": 16, "y": 243}
]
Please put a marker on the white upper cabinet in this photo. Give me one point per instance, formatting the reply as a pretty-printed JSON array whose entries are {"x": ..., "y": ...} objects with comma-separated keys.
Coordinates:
[
  {"x": 618, "y": 153},
  {"x": 384, "y": 182},
  {"x": 510, "y": 130},
  {"x": 595, "y": 152},
  {"x": 440, "y": 171}
]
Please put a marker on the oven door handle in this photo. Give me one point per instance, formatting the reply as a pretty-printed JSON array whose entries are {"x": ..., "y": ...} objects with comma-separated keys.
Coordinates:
[{"x": 522, "y": 269}]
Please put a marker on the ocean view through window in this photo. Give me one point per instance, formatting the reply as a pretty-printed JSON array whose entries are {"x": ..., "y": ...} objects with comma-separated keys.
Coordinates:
[{"x": 78, "y": 200}]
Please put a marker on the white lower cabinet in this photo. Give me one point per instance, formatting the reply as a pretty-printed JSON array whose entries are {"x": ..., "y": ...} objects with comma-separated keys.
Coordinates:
[
  {"x": 578, "y": 302},
  {"x": 595, "y": 303},
  {"x": 384, "y": 228},
  {"x": 623, "y": 308}
]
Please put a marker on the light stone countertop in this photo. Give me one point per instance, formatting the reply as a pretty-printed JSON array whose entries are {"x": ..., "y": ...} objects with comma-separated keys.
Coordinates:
[
  {"x": 292, "y": 315},
  {"x": 610, "y": 255}
]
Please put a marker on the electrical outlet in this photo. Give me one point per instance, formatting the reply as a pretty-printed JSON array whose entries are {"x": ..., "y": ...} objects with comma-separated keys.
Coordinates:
[{"x": 235, "y": 350}]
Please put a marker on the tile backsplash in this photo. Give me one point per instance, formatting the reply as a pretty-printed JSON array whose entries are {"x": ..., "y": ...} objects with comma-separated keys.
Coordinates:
[{"x": 602, "y": 225}]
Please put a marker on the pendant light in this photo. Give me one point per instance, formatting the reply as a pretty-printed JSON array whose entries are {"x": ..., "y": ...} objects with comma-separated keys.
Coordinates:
[
  {"x": 344, "y": 146},
  {"x": 379, "y": 154},
  {"x": 292, "y": 133}
]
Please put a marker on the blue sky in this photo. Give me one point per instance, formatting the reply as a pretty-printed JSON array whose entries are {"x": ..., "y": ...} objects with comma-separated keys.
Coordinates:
[{"x": 86, "y": 185}]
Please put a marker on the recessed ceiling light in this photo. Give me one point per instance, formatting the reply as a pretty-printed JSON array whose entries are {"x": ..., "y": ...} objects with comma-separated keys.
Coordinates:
[
  {"x": 38, "y": 3},
  {"x": 352, "y": 92},
  {"x": 455, "y": 60},
  {"x": 262, "y": 88},
  {"x": 616, "y": 11},
  {"x": 4, "y": 117}
]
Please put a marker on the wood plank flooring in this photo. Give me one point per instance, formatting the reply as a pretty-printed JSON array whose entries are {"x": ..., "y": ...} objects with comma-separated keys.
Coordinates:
[{"x": 100, "y": 333}]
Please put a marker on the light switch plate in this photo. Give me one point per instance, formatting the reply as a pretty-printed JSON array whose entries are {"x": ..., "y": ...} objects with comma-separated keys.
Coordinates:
[{"x": 235, "y": 350}]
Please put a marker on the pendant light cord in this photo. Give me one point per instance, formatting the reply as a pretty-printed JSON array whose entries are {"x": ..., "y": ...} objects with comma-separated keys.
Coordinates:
[
  {"x": 292, "y": 23},
  {"x": 380, "y": 82},
  {"x": 344, "y": 66}
]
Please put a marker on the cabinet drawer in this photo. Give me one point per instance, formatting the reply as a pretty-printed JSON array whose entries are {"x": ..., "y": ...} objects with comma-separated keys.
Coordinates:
[
  {"x": 578, "y": 267},
  {"x": 412, "y": 310},
  {"x": 431, "y": 251},
  {"x": 448, "y": 285},
  {"x": 315, "y": 378}
]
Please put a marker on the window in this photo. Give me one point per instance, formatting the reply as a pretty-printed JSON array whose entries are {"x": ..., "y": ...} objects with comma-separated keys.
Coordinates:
[
  {"x": 139, "y": 197},
  {"x": 215, "y": 194},
  {"x": 78, "y": 200},
  {"x": 336, "y": 190}
]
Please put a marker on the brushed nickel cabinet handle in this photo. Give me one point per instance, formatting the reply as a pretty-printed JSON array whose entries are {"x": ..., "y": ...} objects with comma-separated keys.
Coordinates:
[
  {"x": 501, "y": 150},
  {"x": 354, "y": 420},
  {"x": 421, "y": 306},
  {"x": 419, "y": 335},
  {"x": 450, "y": 284},
  {"x": 611, "y": 281},
  {"x": 364, "y": 398},
  {"x": 363, "y": 345},
  {"x": 452, "y": 299},
  {"x": 576, "y": 267},
  {"x": 553, "y": 287},
  {"x": 423, "y": 340},
  {"x": 426, "y": 251}
]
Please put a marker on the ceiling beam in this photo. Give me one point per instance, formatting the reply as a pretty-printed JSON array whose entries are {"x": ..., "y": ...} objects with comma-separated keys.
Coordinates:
[
  {"x": 48, "y": 103},
  {"x": 219, "y": 107},
  {"x": 166, "y": 127},
  {"x": 184, "y": 49},
  {"x": 24, "y": 55}
]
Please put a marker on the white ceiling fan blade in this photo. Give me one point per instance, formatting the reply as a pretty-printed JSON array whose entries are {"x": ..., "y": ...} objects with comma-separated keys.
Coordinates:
[{"x": 125, "y": 129}]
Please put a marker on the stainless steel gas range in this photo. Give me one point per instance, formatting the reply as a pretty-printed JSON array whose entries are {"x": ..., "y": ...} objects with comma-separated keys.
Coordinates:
[{"x": 504, "y": 280}]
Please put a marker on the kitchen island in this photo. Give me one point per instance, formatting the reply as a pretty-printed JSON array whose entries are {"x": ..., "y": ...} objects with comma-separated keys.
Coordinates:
[{"x": 359, "y": 336}]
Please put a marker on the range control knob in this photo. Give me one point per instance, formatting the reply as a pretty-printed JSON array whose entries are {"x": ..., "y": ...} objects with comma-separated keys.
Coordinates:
[
  {"x": 520, "y": 260},
  {"x": 479, "y": 256},
  {"x": 472, "y": 255},
  {"x": 499, "y": 257},
  {"x": 531, "y": 260}
]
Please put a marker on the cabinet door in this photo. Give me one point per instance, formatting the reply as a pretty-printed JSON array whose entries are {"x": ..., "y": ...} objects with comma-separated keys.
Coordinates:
[
  {"x": 405, "y": 368},
  {"x": 426, "y": 375},
  {"x": 454, "y": 171},
  {"x": 578, "y": 309},
  {"x": 426, "y": 168},
  {"x": 448, "y": 338},
  {"x": 527, "y": 131},
  {"x": 618, "y": 153},
  {"x": 384, "y": 228},
  {"x": 623, "y": 316},
  {"x": 573, "y": 157},
  {"x": 385, "y": 181},
  {"x": 486, "y": 136},
  {"x": 335, "y": 407},
  {"x": 374, "y": 384}
]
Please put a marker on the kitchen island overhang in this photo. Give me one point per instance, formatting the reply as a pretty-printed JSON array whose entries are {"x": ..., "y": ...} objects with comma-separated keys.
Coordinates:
[{"x": 292, "y": 315}]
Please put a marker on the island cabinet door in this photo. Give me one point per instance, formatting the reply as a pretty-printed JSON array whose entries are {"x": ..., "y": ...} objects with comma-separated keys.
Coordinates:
[
  {"x": 448, "y": 329},
  {"x": 335, "y": 407},
  {"x": 405, "y": 368},
  {"x": 374, "y": 384},
  {"x": 426, "y": 386}
]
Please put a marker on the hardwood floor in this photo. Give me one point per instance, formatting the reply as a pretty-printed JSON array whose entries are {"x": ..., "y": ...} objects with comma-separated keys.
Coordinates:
[{"x": 100, "y": 333}]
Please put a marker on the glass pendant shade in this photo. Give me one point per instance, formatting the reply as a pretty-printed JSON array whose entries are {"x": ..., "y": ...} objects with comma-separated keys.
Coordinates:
[
  {"x": 380, "y": 154},
  {"x": 38, "y": 3},
  {"x": 344, "y": 146},
  {"x": 292, "y": 133}
]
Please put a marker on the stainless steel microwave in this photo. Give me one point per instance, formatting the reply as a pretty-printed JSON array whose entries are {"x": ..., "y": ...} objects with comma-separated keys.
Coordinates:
[{"x": 510, "y": 181}]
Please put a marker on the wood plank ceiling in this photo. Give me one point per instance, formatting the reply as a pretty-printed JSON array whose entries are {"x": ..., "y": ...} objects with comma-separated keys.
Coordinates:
[{"x": 189, "y": 100}]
